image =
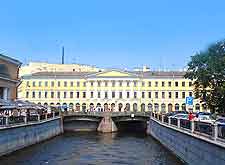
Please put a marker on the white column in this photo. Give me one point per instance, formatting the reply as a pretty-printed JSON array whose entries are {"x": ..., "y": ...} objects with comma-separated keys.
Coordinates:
[{"x": 5, "y": 93}]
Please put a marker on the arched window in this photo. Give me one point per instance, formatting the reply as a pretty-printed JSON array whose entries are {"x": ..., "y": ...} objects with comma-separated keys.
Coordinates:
[
  {"x": 83, "y": 107},
  {"x": 120, "y": 106},
  {"x": 142, "y": 107},
  {"x": 176, "y": 107},
  {"x": 71, "y": 106},
  {"x": 106, "y": 107},
  {"x": 156, "y": 107},
  {"x": 45, "y": 104},
  {"x": 64, "y": 106},
  {"x": 58, "y": 106},
  {"x": 170, "y": 107},
  {"x": 113, "y": 107},
  {"x": 135, "y": 107},
  {"x": 163, "y": 107},
  {"x": 77, "y": 107},
  {"x": 92, "y": 106},
  {"x": 98, "y": 107},
  {"x": 150, "y": 107},
  {"x": 127, "y": 108},
  {"x": 183, "y": 107}
]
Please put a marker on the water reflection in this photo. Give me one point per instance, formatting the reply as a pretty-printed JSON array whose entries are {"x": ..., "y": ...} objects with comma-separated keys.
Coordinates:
[{"x": 94, "y": 148}]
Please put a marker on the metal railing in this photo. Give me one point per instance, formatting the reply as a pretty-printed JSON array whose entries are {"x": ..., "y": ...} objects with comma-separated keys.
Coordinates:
[
  {"x": 6, "y": 121},
  {"x": 211, "y": 130}
]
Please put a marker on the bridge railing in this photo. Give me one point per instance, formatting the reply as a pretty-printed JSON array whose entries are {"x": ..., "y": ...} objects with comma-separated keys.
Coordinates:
[
  {"x": 130, "y": 113},
  {"x": 7, "y": 121},
  {"x": 82, "y": 113},
  {"x": 211, "y": 130},
  {"x": 101, "y": 114}
]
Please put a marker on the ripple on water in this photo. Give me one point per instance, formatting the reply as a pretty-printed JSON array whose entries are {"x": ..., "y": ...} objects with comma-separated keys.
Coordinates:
[{"x": 94, "y": 149}]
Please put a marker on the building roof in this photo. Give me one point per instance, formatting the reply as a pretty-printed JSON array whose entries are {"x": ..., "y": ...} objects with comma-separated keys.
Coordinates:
[
  {"x": 106, "y": 74},
  {"x": 9, "y": 59},
  {"x": 162, "y": 74}
]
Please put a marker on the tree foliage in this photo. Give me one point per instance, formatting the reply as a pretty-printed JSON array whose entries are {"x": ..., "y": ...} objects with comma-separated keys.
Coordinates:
[{"x": 207, "y": 69}]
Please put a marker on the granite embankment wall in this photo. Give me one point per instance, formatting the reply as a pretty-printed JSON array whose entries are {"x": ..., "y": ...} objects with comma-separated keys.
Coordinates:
[
  {"x": 19, "y": 136},
  {"x": 189, "y": 148}
]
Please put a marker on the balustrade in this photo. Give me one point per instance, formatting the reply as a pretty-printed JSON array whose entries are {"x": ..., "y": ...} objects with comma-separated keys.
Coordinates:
[
  {"x": 17, "y": 120},
  {"x": 213, "y": 130}
]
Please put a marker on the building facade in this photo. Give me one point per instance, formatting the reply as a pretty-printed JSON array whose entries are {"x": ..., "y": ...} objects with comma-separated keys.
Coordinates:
[
  {"x": 9, "y": 69},
  {"x": 110, "y": 90}
]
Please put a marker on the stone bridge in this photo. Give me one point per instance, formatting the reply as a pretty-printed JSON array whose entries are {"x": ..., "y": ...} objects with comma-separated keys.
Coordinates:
[{"x": 104, "y": 121}]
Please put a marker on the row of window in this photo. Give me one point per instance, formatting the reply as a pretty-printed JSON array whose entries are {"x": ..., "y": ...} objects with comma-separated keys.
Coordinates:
[
  {"x": 100, "y": 83},
  {"x": 106, "y": 94},
  {"x": 127, "y": 106}
]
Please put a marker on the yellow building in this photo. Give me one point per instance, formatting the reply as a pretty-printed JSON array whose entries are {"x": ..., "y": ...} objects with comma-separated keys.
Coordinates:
[{"x": 110, "y": 89}]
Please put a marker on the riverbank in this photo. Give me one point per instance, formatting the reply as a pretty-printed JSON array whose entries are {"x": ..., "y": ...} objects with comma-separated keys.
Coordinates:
[{"x": 16, "y": 137}]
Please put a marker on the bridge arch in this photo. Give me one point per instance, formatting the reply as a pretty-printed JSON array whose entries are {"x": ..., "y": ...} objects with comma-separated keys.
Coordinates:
[
  {"x": 176, "y": 107},
  {"x": 135, "y": 107},
  {"x": 142, "y": 107}
]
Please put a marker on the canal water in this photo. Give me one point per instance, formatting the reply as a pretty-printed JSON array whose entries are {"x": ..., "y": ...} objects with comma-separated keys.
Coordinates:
[{"x": 94, "y": 149}]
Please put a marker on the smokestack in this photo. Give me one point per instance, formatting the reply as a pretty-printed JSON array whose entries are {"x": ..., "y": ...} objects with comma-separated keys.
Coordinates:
[{"x": 63, "y": 55}]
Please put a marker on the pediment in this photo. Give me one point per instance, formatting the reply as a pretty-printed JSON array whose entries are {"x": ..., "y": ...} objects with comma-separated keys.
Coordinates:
[{"x": 113, "y": 73}]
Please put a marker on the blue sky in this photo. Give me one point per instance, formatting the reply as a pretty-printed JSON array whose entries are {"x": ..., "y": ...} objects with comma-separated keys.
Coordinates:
[{"x": 110, "y": 33}]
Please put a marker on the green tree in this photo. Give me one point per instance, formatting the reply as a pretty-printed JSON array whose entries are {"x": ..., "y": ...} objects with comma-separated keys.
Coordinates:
[{"x": 207, "y": 69}]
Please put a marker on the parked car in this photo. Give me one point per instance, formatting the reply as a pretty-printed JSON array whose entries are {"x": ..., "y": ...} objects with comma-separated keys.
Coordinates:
[
  {"x": 204, "y": 113},
  {"x": 180, "y": 116},
  {"x": 176, "y": 112},
  {"x": 204, "y": 117}
]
